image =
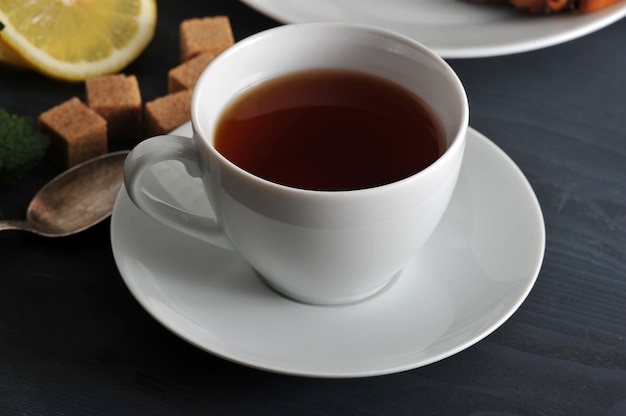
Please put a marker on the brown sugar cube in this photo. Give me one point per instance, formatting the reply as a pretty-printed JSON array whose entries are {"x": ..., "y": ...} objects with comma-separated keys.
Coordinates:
[
  {"x": 166, "y": 113},
  {"x": 76, "y": 132},
  {"x": 208, "y": 34},
  {"x": 118, "y": 100},
  {"x": 185, "y": 75}
]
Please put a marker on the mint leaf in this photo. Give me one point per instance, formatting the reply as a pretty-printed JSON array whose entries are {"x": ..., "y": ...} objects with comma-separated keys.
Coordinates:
[{"x": 21, "y": 147}]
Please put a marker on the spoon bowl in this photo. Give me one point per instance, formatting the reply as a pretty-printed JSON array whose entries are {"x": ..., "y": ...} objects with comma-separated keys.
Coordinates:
[{"x": 75, "y": 200}]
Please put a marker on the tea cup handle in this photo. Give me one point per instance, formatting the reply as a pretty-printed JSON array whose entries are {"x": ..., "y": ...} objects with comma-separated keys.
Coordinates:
[{"x": 159, "y": 149}]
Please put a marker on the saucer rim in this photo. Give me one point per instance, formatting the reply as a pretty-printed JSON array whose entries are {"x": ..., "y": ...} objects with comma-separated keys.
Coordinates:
[{"x": 503, "y": 316}]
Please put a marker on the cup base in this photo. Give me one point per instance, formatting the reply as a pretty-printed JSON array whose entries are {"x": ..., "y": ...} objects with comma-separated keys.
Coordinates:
[{"x": 339, "y": 301}]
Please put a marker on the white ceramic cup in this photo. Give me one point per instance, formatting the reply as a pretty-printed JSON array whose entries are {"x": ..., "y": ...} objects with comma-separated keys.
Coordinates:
[{"x": 320, "y": 247}]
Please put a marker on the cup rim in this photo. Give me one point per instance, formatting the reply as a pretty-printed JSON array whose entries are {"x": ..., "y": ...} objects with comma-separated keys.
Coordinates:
[{"x": 458, "y": 139}]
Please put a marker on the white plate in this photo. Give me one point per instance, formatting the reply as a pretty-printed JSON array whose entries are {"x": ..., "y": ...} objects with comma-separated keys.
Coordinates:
[
  {"x": 471, "y": 276},
  {"x": 452, "y": 28}
]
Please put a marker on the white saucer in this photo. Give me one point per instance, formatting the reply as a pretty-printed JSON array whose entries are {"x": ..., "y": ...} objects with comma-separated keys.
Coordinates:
[
  {"x": 473, "y": 274},
  {"x": 452, "y": 28}
]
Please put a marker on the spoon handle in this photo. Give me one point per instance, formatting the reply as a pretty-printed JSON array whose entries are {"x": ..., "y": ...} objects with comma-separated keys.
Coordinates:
[{"x": 14, "y": 225}]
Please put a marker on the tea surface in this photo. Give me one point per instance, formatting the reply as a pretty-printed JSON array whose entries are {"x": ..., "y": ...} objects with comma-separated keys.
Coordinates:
[{"x": 329, "y": 130}]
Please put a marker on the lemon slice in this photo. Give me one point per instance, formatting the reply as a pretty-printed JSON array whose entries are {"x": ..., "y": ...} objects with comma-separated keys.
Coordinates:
[
  {"x": 9, "y": 56},
  {"x": 75, "y": 39}
]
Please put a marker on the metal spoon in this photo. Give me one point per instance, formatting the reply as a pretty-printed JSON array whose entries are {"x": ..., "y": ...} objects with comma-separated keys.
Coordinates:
[{"x": 75, "y": 200}]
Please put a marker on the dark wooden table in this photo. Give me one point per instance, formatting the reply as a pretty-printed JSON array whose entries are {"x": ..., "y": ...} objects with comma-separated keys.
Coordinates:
[{"x": 73, "y": 341}]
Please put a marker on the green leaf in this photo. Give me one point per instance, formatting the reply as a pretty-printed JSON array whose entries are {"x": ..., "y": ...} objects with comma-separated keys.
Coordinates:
[{"x": 21, "y": 147}]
